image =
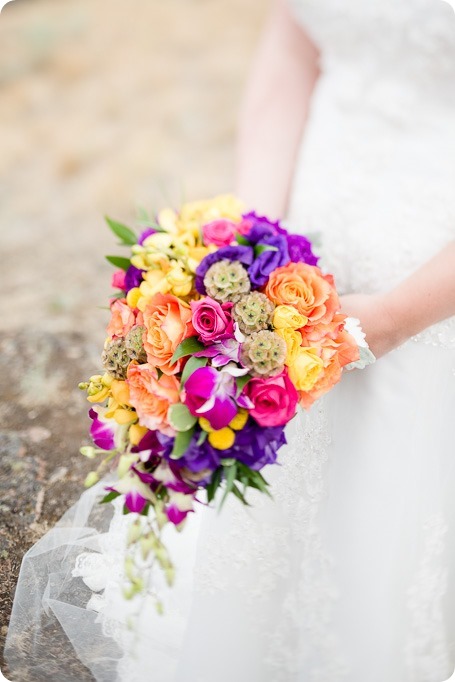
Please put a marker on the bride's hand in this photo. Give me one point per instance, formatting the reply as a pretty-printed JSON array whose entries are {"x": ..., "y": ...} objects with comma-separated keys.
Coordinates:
[{"x": 380, "y": 327}]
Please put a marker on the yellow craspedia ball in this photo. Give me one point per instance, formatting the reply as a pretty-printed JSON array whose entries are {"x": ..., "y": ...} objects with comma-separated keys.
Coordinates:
[
  {"x": 222, "y": 439},
  {"x": 205, "y": 425},
  {"x": 239, "y": 420}
]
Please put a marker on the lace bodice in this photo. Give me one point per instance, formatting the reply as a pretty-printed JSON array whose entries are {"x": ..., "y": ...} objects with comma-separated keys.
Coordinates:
[
  {"x": 377, "y": 165},
  {"x": 408, "y": 43}
]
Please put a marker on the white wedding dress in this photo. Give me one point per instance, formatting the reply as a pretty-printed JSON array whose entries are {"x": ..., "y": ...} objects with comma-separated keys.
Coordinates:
[{"x": 349, "y": 574}]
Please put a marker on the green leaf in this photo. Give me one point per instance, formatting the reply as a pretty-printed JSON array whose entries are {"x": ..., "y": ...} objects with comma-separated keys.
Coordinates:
[
  {"x": 240, "y": 239},
  {"x": 191, "y": 365},
  {"x": 259, "y": 482},
  {"x": 202, "y": 438},
  {"x": 240, "y": 495},
  {"x": 109, "y": 497},
  {"x": 180, "y": 418},
  {"x": 119, "y": 262},
  {"x": 253, "y": 479},
  {"x": 241, "y": 382},
  {"x": 230, "y": 474},
  {"x": 187, "y": 347},
  {"x": 214, "y": 483},
  {"x": 124, "y": 233},
  {"x": 181, "y": 443},
  {"x": 261, "y": 248},
  {"x": 145, "y": 511},
  {"x": 159, "y": 373}
]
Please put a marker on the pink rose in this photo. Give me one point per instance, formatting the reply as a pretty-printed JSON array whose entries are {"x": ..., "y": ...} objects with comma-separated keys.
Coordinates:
[
  {"x": 275, "y": 399},
  {"x": 219, "y": 232},
  {"x": 211, "y": 320},
  {"x": 122, "y": 319},
  {"x": 118, "y": 280}
]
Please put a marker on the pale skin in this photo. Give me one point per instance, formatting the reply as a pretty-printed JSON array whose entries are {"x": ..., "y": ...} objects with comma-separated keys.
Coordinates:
[{"x": 272, "y": 123}]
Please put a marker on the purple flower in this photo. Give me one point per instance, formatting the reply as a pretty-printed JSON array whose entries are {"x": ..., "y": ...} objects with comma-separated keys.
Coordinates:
[
  {"x": 133, "y": 278},
  {"x": 259, "y": 222},
  {"x": 176, "y": 515},
  {"x": 144, "y": 234},
  {"x": 153, "y": 443},
  {"x": 200, "y": 457},
  {"x": 211, "y": 394},
  {"x": 265, "y": 233},
  {"x": 236, "y": 252},
  {"x": 134, "y": 501},
  {"x": 300, "y": 250},
  {"x": 221, "y": 352},
  {"x": 256, "y": 445},
  {"x": 101, "y": 430},
  {"x": 299, "y": 247},
  {"x": 268, "y": 260}
]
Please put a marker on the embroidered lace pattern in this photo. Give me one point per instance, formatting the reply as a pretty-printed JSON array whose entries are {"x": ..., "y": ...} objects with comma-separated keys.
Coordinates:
[
  {"x": 426, "y": 647},
  {"x": 377, "y": 163},
  {"x": 281, "y": 542}
]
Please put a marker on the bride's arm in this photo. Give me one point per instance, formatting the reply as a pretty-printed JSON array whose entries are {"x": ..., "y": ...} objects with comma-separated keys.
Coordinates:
[
  {"x": 424, "y": 298},
  {"x": 274, "y": 111}
]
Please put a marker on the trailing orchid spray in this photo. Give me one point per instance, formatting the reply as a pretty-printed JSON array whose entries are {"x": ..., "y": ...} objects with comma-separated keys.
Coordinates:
[{"x": 221, "y": 325}]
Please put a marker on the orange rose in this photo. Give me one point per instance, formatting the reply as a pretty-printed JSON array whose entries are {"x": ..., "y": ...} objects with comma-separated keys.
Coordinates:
[
  {"x": 318, "y": 333},
  {"x": 151, "y": 397},
  {"x": 122, "y": 319},
  {"x": 348, "y": 350},
  {"x": 168, "y": 321},
  {"x": 307, "y": 289},
  {"x": 336, "y": 353}
]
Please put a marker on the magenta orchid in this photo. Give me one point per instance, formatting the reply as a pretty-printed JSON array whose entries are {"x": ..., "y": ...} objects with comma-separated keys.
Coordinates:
[
  {"x": 102, "y": 430},
  {"x": 212, "y": 394}
]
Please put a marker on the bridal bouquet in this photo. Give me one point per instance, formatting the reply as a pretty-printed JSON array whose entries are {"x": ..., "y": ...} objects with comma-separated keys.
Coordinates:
[{"x": 221, "y": 325}]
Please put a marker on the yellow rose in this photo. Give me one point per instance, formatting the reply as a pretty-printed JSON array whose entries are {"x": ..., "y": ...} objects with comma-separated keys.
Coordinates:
[
  {"x": 306, "y": 370},
  {"x": 287, "y": 317},
  {"x": 293, "y": 340}
]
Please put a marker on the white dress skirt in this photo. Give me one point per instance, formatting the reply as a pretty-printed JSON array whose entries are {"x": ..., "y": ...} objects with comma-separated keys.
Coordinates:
[{"x": 349, "y": 573}]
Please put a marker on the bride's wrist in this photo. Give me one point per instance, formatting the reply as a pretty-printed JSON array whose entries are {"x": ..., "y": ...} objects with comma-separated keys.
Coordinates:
[{"x": 397, "y": 318}]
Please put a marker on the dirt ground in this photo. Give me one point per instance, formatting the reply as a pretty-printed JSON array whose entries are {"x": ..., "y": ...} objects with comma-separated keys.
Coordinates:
[{"x": 104, "y": 107}]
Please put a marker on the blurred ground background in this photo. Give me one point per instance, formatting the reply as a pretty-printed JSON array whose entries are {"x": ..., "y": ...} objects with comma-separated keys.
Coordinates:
[{"x": 104, "y": 107}]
